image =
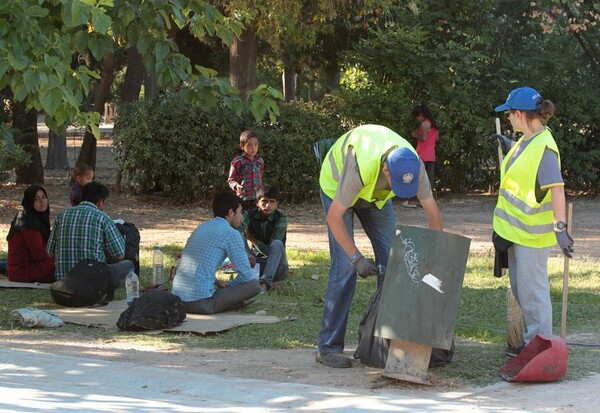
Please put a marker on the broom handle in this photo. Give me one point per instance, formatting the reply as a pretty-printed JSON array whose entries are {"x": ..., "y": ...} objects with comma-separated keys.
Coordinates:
[
  {"x": 500, "y": 154},
  {"x": 500, "y": 158},
  {"x": 565, "y": 295}
]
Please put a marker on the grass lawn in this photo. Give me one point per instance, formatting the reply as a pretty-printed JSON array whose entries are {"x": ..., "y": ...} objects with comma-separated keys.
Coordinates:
[{"x": 480, "y": 336}]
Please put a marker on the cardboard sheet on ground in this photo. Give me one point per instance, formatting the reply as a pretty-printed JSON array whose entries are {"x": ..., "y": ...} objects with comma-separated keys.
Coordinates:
[
  {"x": 107, "y": 316},
  {"x": 13, "y": 284}
]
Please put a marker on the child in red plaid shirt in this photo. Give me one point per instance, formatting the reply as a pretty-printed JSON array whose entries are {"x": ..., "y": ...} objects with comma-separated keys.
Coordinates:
[{"x": 245, "y": 174}]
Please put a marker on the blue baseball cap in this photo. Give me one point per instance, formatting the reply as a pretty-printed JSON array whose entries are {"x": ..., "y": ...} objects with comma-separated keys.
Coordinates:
[
  {"x": 404, "y": 167},
  {"x": 523, "y": 98}
]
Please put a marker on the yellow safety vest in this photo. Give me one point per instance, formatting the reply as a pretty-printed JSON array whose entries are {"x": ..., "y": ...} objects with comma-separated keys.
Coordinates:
[
  {"x": 371, "y": 144},
  {"x": 518, "y": 216}
]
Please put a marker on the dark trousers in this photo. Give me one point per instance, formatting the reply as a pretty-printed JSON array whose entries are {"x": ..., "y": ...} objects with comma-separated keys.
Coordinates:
[
  {"x": 430, "y": 169},
  {"x": 224, "y": 299}
]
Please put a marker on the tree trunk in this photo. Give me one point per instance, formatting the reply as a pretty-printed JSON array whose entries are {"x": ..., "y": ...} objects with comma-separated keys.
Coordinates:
[
  {"x": 134, "y": 76},
  {"x": 290, "y": 76},
  {"x": 242, "y": 61},
  {"x": 87, "y": 154},
  {"x": 130, "y": 91},
  {"x": 26, "y": 123},
  {"x": 332, "y": 78},
  {"x": 56, "y": 158},
  {"x": 289, "y": 84},
  {"x": 151, "y": 88}
]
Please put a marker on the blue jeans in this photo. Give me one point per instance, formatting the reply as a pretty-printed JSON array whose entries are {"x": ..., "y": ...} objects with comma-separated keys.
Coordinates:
[
  {"x": 119, "y": 271},
  {"x": 379, "y": 225},
  {"x": 275, "y": 266}
]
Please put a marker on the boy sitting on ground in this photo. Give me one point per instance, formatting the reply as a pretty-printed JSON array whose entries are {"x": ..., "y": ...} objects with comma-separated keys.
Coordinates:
[{"x": 266, "y": 227}]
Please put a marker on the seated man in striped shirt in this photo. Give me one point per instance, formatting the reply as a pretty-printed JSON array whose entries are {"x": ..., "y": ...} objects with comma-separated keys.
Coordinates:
[{"x": 210, "y": 243}]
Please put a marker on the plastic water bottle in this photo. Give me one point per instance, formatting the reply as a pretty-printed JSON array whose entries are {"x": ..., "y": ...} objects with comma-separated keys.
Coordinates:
[
  {"x": 157, "y": 266},
  {"x": 132, "y": 286}
]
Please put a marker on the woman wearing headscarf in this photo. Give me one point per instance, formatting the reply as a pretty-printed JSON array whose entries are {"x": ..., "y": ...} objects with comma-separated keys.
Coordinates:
[{"x": 28, "y": 260}]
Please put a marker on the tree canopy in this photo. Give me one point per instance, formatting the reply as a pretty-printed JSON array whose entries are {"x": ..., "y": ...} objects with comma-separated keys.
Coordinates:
[{"x": 462, "y": 57}]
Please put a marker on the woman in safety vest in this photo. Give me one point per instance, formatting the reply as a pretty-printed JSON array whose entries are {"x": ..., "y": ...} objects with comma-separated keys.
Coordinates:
[{"x": 530, "y": 211}]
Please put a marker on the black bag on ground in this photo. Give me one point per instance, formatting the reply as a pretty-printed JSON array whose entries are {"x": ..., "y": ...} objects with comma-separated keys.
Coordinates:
[
  {"x": 89, "y": 282},
  {"x": 156, "y": 309},
  {"x": 132, "y": 243},
  {"x": 373, "y": 351}
]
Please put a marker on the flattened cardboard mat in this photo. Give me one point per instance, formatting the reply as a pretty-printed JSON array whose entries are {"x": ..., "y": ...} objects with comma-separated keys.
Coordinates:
[
  {"x": 5, "y": 283},
  {"x": 107, "y": 316}
]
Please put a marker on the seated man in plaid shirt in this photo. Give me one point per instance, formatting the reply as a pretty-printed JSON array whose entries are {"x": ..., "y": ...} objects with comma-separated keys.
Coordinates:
[
  {"x": 210, "y": 243},
  {"x": 86, "y": 232}
]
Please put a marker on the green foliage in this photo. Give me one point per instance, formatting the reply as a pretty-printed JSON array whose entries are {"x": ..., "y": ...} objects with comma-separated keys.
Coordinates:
[
  {"x": 287, "y": 146},
  {"x": 41, "y": 40},
  {"x": 170, "y": 145},
  {"x": 36, "y": 40},
  {"x": 463, "y": 59},
  {"x": 11, "y": 155}
]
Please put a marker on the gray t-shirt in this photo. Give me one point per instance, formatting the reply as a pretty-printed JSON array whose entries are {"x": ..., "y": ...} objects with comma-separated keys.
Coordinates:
[{"x": 350, "y": 183}]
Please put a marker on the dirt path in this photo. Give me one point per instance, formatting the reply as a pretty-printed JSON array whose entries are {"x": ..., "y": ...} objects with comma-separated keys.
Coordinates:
[{"x": 160, "y": 222}]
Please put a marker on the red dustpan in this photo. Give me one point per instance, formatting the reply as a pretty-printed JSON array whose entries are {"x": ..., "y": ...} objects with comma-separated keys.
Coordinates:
[{"x": 541, "y": 360}]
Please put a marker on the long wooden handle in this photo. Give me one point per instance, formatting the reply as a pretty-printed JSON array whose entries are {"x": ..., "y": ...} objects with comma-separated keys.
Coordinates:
[
  {"x": 499, "y": 132},
  {"x": 565, "y": 296}
]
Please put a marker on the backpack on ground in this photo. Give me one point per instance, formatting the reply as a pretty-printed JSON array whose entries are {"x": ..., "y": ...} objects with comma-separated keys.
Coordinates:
[
  {"x": 156, "y": 309},
  {"x": 373, "y": 351},
  {"x": 132, "y": 243},
  {"x": 88, "y": 283}
]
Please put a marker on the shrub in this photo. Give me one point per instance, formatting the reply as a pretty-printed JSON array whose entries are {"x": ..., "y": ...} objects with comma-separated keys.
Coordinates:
[
  {"x": 11, "y": 155},
  {"x": 165, "y": 144}
]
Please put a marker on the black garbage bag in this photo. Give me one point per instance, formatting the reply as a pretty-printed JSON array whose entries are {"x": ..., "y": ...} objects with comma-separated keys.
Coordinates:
[{"x": 373, "y": 351}]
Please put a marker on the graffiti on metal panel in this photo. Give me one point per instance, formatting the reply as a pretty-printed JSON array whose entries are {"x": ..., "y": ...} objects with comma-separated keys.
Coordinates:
[{"x": 411, "y": 259}]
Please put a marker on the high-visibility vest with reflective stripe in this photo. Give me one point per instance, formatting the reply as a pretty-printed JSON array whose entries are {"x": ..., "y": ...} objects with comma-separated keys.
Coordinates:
[
  {"x": 518, "y": 216},
  {"x": 371, "y": 145}
]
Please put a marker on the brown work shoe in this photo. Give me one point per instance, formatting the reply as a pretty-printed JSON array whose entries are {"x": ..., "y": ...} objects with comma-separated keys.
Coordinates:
[{"x": 335, "y": 360}]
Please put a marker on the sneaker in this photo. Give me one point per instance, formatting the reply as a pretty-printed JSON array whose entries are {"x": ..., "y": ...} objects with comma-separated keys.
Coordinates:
[
  {"x": 513, "y": 351},
  {"x": 408, "y": 204},
  {"x": 335, "y": 360}
]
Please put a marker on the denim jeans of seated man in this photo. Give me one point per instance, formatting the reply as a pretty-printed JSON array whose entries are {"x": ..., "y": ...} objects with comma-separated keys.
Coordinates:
[
  {"x": 379, "y": 225},
  {"x": 275, "y": 266}
]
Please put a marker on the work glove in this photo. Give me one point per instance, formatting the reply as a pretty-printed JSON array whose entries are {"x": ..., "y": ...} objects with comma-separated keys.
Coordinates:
[
  {"x": 365, "y": 266},
  {"x": 565, "y": 242},
  {"x": 503, "y": 140}
]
